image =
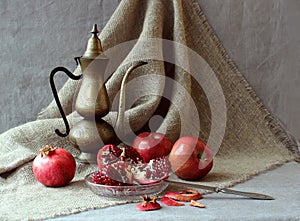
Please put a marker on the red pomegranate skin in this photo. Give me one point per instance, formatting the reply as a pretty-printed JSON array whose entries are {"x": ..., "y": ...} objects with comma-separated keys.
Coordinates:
[
  {"x": 191, "y": 158},
  {"x": 151, "y": 145},
  {"x": 55, "y": 169}
]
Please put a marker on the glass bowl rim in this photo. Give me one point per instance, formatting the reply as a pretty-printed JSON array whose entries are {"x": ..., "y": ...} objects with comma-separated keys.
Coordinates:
[{"x": 135, "y": 185}]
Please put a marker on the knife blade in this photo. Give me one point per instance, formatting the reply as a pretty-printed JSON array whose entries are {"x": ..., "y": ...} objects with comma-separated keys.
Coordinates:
[{"x": 251, "y": 195}]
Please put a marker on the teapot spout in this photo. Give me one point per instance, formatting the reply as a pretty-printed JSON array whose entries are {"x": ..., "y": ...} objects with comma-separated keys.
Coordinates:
[{"x": 119, "y": 126}]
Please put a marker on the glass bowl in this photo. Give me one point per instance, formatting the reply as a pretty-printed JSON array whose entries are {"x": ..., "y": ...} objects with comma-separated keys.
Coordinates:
[{"x": 125, "y": 192}]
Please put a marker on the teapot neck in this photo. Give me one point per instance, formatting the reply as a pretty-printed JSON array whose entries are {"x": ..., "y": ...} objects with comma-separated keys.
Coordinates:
[{"x": 93, "y": 66}]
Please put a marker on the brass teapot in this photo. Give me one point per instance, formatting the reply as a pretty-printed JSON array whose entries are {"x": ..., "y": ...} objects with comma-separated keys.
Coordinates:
[{"x": 91, "y": 102}]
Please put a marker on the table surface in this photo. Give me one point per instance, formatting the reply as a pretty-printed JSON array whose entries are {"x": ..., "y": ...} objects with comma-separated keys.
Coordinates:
[{"x": 282, "y": 183}]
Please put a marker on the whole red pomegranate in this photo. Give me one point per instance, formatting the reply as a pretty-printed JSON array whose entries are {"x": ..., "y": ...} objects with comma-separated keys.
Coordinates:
[
  {"x": 191, "y": 158},
  {"x": 151, "y": 145},
  {"x": 54, "y": 166}
]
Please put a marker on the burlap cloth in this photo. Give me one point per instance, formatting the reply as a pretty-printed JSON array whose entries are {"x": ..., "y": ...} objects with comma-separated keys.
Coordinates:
[{"x": 254, "y": 140}]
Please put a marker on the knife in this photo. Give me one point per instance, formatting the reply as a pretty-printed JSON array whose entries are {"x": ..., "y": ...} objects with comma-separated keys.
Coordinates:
[{"x": 256, "y": 196}]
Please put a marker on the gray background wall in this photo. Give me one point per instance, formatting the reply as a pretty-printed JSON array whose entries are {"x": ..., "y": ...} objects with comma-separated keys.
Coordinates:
[{"x": 262, "y": 37}]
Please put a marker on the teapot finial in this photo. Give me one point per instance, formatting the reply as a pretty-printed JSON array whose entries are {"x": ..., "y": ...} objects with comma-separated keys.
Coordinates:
[
  {"x": 94, "y": 48},
  {"x": 95, "y": 30}
]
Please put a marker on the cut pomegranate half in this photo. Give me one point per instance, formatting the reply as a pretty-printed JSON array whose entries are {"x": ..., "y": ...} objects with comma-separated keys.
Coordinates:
[{"x": 154, "y": 171}]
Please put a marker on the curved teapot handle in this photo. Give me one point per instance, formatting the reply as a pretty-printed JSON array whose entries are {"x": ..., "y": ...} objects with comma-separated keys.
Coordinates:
[{"x": 54, "y": 91}]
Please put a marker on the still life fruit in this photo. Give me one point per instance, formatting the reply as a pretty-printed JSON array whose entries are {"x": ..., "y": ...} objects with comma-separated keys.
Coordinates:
[
  {"x": 147, "y": 161},
  {"x": 171, "y": 199},
  {"x": 54, "y": 166},
  {"x": 176, "y": 198},
  {"x": 151, "y": 145},
  {"x": 123, "y": 165},
  {"x": 170, "y": 202},
  {"x": 125, "y": 171},
  {"x": 191, "y": 158},
  {"x": 184, "y": 196},
  {"x": 148, "y": 204}
]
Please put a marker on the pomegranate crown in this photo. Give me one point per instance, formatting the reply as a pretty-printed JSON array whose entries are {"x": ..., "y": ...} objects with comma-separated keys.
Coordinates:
[{"x": 46, "y": 150}]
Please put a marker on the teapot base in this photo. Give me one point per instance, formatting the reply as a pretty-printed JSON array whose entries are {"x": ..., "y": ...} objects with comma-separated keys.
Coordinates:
[
  {"x": 89, "y": 136},
  {"x": 87, "y": 158}
]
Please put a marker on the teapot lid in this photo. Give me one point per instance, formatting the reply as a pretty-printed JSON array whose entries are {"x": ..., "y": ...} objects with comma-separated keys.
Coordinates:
[{"x": 94, "y": 48}]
